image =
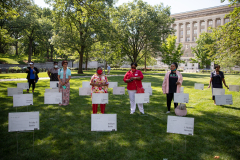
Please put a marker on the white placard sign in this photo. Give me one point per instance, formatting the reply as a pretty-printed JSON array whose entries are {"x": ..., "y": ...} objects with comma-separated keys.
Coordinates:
[
  {"x": 223, "y": 99},
  {"x": 84, "y": 91},
  {"x": 112, "y": 84},
  {"x": 234, "y": 88},
  {"x": 99, "y": 98},
  {"x": 53, "y": 84},
  {"x": 23, "y": 121},
  {"x": 86, "y": 85},
  {"x": 22, "y": 100},
  {"x": 218, "y": 91},
  {"x": 182, "y": 90},
  {"x": 23, "y": 85},
  {"x": 181, "y": 97},
  {"x": 148, "y": 90},
  {"x": 12, "y": 91},
  {"x": 52, "y": 98},
  {"x": 104, "y": 122},
  {"x": 146, "y": 84},
  {"x": 118, "y": 90},
  {"x": 141, "y": 98},
  {"x": 199, "y": 86},
  {"x": 180, "y": 125},
  {"x": 51, "y": 90}
]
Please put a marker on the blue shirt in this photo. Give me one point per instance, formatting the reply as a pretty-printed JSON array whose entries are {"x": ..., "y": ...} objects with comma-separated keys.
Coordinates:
[{"x": 32, "y": 76}]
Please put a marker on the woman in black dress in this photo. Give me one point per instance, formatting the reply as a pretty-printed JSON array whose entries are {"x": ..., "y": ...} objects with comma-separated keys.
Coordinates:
[{"x": 217, "y": 77}]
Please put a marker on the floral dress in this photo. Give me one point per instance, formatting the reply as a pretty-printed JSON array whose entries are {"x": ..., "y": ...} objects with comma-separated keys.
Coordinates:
[
  {"x": 99, "y": 79},
  {"x": 65, "y": 92}
]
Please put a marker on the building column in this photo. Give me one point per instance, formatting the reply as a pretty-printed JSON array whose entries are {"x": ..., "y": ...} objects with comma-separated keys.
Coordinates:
[
  {"x": 184, "y": 31},
  {"x": 206, "y": 25},
  {"x": 177, "y": 32},
  {"x": 214, "y": 23},
  {"x": 222, "y": 21},
  {"x": 198, "y": 28},
  {"x": 191, "y": 31}
]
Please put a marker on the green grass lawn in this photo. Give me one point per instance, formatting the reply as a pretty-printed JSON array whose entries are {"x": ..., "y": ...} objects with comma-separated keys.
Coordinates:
[{"x": 65, "y": 132}]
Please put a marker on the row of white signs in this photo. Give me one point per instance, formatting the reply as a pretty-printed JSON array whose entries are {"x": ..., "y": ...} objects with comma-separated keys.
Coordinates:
[
  {"x": 27, "y": 121},
  {"x": 55, "y": 97}
]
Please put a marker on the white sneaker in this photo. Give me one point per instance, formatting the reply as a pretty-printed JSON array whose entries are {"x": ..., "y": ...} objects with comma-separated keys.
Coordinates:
[
  {"x": 167, "y": 112},
  {"x": 131, "y": 112}
]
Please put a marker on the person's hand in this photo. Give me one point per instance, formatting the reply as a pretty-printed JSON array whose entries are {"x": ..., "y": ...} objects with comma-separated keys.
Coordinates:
[
  {"x": 227, "y": 86},
  {"x": 208, "y": 86},
  {"x": 132, "y": 78},
  {"x": 129, "y": 80},
  {"x": 27, "y": 69},
  {"x": 60, "y": 83},
  {"x": 34, "y": 71},
  {"x": 177, "y": 83}
]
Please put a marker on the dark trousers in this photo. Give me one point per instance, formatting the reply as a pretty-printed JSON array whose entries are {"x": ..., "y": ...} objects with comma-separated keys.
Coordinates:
[
  {"x": 31, "y": 81},
  {"x": 169, "y": 100}
]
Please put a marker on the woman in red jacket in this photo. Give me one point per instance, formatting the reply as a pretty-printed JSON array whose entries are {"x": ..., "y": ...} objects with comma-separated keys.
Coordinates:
[{"x": 133, "y": 79}]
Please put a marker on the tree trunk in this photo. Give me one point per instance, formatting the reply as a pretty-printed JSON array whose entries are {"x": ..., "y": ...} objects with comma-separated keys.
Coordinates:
[
  {"x": 51, "y": 47},
  {"x": 80, "y": 71},
  {"x": 16, "y": 48},
  {"x": 86, "y": 62},
  {"x": 145, "y": 67},
  {"x": 47, "y": 53},
  {"x": 30, "y": 50}
]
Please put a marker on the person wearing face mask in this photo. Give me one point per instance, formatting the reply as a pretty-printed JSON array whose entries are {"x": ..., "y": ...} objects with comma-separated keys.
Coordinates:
[
  {"x": 53, "y": 72},
  {"x": 64, "y": 76},
  {"x": 216, "y": 79},
  {"x": 32, "y": 76},
  {"x": 133, "y": 78},
  {"x": 172, "y": 84},
  {"x": 99, "y": 83}
]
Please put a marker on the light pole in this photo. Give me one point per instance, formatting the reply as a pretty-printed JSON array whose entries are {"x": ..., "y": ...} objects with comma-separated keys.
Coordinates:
[{"x": 104, "y": 60}]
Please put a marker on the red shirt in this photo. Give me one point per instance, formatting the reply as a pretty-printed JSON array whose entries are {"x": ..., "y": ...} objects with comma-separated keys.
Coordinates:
[{"x": 133, "y": 85}]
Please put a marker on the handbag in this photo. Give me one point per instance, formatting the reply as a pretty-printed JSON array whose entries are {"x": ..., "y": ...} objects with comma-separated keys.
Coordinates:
[{"x": 139, "y": 89}]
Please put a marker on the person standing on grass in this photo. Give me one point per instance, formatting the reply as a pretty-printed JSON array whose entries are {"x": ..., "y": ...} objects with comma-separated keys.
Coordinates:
[
  {"x": 64, "y": 76},
  {"x": 99, "y": 83},
  {"x": 216, "y": 79},
  {"x": 172, "y": 84},
  {"x": 108, "y": 69},
  {"x": 53, "y": 72},
  {"x": 133, "y": 78},
  {"x": 32, "y": 76}
]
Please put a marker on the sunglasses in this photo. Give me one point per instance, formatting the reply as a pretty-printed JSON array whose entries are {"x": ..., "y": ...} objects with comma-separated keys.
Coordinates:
[{"x": 133, "y": 67}]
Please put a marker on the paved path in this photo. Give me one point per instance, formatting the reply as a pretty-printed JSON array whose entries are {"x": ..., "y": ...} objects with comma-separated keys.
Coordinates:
[{"x": 22, "y": 79}]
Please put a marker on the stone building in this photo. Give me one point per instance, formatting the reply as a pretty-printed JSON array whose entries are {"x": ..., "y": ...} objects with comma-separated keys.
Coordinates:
[{"x": 189, "y": 25}]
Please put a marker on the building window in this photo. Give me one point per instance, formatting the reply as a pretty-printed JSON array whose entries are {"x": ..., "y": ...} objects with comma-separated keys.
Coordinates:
[
  {"x": 175, "y": 27},
  {"x": 195, "y": 31},
  {"x": 195, "y": 24},
  {"x": 175, "y": 33},
  {"x": 181, "y": 33},
  {"x": 202, "y": 30},
  {"x": 186, "y": 46},
  {"x": 194, "y": 39},
  {"x": 226, "y": 20},
  {"x": 181, "y": 39},
  {"x": 209, "y": 23},
  {"x": 218, "y": 22},
  {"x": 188, "y": 25},
  {"x": 188, "y": 39},
  {"x": 202, "y": 23},
  {"x": 181, "y": 26},
  {"x": 188, "y": 31}
]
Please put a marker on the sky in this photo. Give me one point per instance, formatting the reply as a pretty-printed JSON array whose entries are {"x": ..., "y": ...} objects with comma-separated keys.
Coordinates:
[{"x": 177, "y": 6}]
